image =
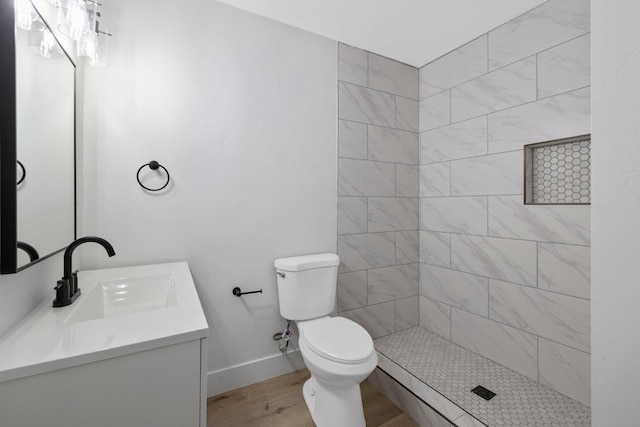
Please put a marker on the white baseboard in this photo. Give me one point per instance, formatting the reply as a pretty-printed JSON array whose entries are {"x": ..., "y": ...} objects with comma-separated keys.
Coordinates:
[{"x": 237, "y": 376}]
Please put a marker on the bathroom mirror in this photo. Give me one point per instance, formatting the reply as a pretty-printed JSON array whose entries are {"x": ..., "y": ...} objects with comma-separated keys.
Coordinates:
[{"x": 37, "y": 139}]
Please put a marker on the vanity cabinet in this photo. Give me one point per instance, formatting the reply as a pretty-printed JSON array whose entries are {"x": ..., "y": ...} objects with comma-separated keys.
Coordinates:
[
  {"x": 162, "y": 387},
  {"x": 131, "y": 351}
]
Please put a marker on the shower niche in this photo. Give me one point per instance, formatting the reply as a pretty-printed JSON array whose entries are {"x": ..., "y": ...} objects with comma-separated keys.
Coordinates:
[{"x": 558, "y": 172}]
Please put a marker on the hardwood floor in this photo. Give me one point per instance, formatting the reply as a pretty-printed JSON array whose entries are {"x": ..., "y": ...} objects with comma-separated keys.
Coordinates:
[{"x": 278, "y": 402}]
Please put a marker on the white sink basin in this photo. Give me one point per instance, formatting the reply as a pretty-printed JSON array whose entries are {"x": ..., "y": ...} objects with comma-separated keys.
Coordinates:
[
  {"x": 127, "y": 295},
  {"x": 120, "y": 311}
]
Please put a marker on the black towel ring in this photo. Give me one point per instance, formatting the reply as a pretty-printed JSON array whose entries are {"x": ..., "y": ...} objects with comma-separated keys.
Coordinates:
[
  {"x": 24, "y": 172},
  {"x": 153, "y": 165}
]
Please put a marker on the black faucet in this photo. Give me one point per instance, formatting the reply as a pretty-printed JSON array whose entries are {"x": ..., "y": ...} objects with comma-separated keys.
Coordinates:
[
  {"x": 30, "y": 250},
  {"x": 67, "y": 288}
]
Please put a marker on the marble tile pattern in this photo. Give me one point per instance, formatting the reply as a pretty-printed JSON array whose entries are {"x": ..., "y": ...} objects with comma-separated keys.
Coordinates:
[
  {"x": 488, "y": 175},
  {"x": 352, "y": 140},
  {"x": 565, "y": 67},
  {"x": 455, "y": 288},
  {"x": 454, "y": 214},
  {"x": 378, "y": 319},
  {"x": 392, "y": 145},
  {"x": 407, "y": 180},
  {"x": 565, "y": 369},
  {"x": 503, "y": 344},
  {"x": 366, "y": 178},
  {"x": 550, "y": 24},
  {"x": 352, "y": 290},
  {"x": 378, "y": 191},
  {"x": 509, "y": 217},
  {"x": 452, "y": 371},
  {"x": 366, "y": 250},
  {"x": 524, "y": 82},
  {"x": 393, "y": 77},
  {"x": 456, "y": 141},
  {"x": 566, "y": 319},
  {"x": 407, "y": 117},
  {"x": 504, "y": 259},
  {"x": 435, "y": 248},
  {"x": 352, "y": 215},
  {"x": 435, "y": 111},
  {"x": 407, "y": 313},
  {"x": 361, "y": 104},
  {"x": 435, "y": 179},
  {"x": 435, "y": 316},
  {"x": 407, "y": 247},
  {"x": 392, "y": 283},
  {"x": 556, "y": 117},
  {"x": 507, "y": 87},
  {"x": 352, "y": 65},
  {"x": 463, "y": 64},
  {"x": 565, "y": 269},
  {"x": 507, "y": 281},
  {"x": 392, "y": 214}
]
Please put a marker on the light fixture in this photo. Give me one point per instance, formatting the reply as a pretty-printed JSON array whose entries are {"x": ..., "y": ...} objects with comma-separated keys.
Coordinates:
[
  {"x": 73, "y": 19},
  {"x": 45, "y": 44},
  {"x": 77, "y": 19},
  {"x": 27, "y": 16},
  {"x": 93, "y": 47}
]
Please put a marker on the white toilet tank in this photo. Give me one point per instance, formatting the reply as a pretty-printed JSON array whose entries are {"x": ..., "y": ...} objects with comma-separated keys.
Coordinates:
[{"x": 307, "y": 285}]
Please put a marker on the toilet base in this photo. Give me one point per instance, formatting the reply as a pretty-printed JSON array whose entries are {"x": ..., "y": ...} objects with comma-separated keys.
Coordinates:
[{"x": 332, "y": 406}]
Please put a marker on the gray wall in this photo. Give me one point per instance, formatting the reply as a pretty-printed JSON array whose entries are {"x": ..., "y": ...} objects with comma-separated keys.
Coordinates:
[
  {"x": 508, "y": 281},
  {"x": 241, "y": 111},
  {"x": 377, "y": 191}
]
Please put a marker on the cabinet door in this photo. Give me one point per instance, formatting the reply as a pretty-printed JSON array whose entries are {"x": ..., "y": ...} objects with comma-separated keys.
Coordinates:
[{"x": 154, "y": 388}]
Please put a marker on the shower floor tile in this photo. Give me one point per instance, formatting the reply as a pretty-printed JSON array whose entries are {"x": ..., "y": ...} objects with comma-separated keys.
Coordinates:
[{"x": 453, "y": 371}]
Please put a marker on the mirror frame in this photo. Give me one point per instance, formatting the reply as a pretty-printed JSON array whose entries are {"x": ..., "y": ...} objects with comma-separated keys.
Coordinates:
[{"x": 8, "y": 145}]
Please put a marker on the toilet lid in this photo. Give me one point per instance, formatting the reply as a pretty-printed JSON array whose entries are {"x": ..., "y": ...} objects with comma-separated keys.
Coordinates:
[{"x": 338, "y": 339}]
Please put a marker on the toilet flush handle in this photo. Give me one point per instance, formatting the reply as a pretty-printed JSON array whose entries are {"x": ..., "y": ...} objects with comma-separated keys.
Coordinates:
[{"x": 281, "y": 274}]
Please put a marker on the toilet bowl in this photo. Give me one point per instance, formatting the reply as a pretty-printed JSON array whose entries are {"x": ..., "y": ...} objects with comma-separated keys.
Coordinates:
[{"x": 339, "y": 354}]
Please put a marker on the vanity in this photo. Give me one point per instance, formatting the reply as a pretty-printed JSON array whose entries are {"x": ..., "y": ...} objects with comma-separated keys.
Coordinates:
[{"x": 130, "y": 351}]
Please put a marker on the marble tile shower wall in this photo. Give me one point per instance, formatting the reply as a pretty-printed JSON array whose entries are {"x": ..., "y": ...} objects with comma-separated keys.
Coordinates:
[
  {"x": 508, "y": 281},
  {"x": 378, "y": 195}
]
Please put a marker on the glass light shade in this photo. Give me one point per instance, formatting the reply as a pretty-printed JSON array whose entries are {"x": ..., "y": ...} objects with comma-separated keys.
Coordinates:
[
  {"x": 27, "y": 16},
  {"x": 94, "y": 47},
  {"x": 45, "y": 44},
  {"x": 73, "y": 19}
]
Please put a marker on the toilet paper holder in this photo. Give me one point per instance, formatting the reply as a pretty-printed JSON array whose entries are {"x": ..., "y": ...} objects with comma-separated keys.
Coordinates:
[{"x": 238, "y": 292}]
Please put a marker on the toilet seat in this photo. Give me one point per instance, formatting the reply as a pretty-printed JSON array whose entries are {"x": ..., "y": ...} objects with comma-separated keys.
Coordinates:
[{"x": 338, "y": 339}]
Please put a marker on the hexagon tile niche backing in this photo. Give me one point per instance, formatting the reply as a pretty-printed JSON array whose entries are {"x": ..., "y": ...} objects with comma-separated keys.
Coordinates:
[{"x": 559, "y": 171}]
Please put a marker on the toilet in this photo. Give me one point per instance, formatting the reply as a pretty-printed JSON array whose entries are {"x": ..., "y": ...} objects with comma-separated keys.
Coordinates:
[{"x": 338, "y": 352}]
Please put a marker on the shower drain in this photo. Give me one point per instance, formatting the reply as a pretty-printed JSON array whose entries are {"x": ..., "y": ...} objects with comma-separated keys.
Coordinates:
[{"x": 484, "y": 393}]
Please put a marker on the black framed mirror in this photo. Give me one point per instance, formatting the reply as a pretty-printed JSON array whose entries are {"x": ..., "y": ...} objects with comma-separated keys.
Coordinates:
[{"x": 37, "y": 139}]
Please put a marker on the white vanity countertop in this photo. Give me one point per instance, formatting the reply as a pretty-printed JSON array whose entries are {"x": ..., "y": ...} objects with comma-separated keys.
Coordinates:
[{"x": 47, "y": 340}]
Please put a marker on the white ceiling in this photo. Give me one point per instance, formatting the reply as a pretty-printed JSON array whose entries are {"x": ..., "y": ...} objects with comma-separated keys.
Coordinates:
[{"x": 411, "y": 31}]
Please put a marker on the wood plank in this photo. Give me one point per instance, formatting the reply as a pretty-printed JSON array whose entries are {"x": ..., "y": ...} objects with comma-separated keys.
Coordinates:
[{"x": 278, "y": 402}]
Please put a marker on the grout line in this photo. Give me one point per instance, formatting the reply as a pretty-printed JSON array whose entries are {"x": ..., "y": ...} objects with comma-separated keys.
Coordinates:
[
  {"x": 376, "y": 125},
  {"x": 537, "y": 78},
  {"x": 505, "y": 281},
  {"x": 538, "y": 358},
  {"x": 488, "y": 227},
  {"x": 508, "y": 108},
  {"x": 537, "y": 266}
]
